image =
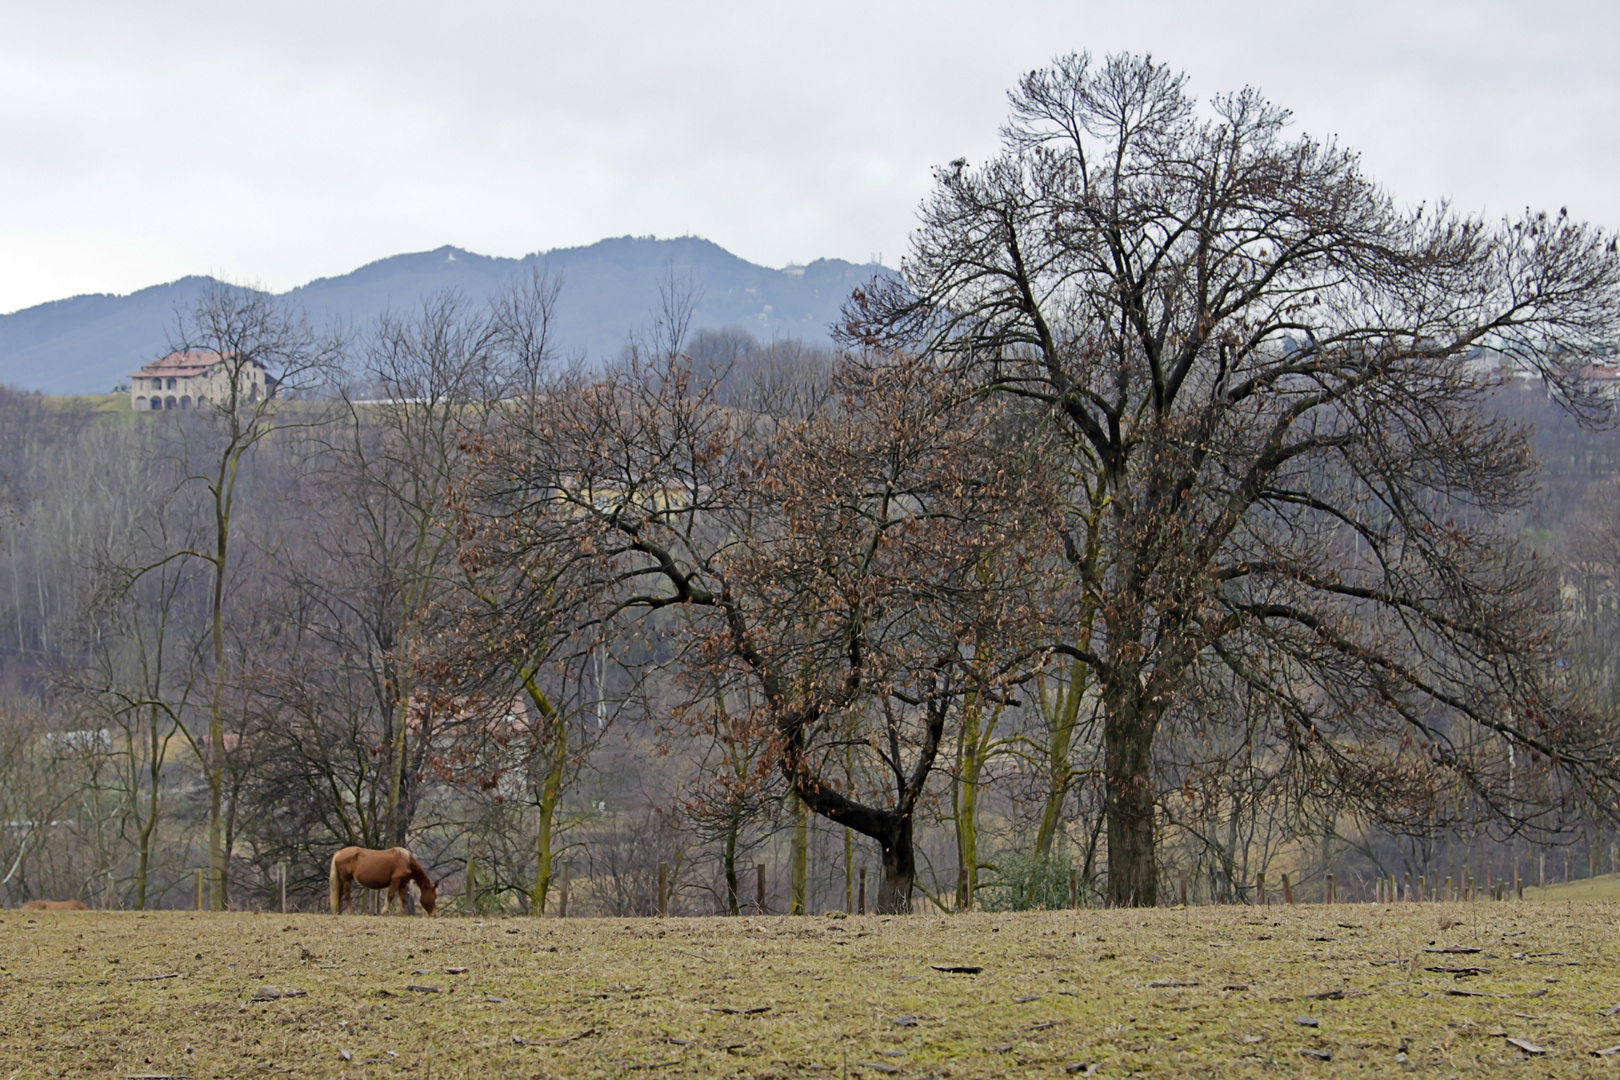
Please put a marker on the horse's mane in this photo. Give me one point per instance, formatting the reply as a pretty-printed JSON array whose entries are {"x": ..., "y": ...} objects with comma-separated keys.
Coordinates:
[{"x": 418, "y": 874}]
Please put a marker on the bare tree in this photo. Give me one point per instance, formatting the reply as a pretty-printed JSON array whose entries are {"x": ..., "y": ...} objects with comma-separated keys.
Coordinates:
[
  {"x": 838, "y": 562},
  {"x": 142, "y": 647},
  {"x": 732, "y": 790},
  {"x": 1262, "y": 368},
  {"x": 266, "y": 353}
]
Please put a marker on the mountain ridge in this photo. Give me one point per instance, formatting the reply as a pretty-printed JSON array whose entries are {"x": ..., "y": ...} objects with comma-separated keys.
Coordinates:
[{"x": 91, "y": 342}]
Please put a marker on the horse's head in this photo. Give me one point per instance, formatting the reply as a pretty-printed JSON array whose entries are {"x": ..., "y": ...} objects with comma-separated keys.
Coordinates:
[{"x": 430, "y": 895}]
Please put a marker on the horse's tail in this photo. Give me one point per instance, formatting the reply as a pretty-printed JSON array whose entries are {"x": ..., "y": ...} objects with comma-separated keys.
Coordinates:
[{"x": 335, "y": 884}]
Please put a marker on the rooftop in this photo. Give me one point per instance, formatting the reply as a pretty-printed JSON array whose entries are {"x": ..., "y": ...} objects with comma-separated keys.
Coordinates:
[
  {"x": 182, "y": 364},
  {"x": 178, "y": 364}
]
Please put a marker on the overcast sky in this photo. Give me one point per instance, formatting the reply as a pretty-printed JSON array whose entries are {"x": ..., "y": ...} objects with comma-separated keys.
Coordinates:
[{"x": 280, "y": 141}]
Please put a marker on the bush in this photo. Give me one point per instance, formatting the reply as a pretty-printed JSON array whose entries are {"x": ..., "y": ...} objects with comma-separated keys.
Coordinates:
[{"x": 1027, "y": 884}]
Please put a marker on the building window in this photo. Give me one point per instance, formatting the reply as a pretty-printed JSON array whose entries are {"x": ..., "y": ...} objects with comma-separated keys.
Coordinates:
[
  {"x": 168, "y": 402},
  {"x": 157, "y": 403},
  {"x": 185, "y": 402},
  {"x": 140, "y": 402},
  {"x": 157, "y": 384},
  {"x": 171, "y": 384}
]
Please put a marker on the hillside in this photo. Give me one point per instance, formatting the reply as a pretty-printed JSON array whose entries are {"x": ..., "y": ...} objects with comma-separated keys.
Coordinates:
[{"x": 87, "y": 344}]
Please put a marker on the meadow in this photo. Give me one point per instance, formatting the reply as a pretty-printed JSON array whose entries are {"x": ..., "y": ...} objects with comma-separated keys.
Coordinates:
[{"x": 1311, "y": 990}]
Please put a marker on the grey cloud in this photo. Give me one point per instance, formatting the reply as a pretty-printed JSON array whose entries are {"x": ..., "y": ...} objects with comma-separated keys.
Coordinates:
[{"x": 283, "y": 141}]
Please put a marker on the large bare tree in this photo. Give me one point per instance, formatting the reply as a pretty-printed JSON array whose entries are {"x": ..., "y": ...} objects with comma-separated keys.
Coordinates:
[
  {"x": 834, "y": 567},
  {"x": 1267, "y": 374},
  {"x": 266, "y": 352}
]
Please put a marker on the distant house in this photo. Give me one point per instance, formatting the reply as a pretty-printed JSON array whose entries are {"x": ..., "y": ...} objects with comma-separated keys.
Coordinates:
[
  {"x": 186, "y": 380},
  {"x": 1603, "y": 379}
]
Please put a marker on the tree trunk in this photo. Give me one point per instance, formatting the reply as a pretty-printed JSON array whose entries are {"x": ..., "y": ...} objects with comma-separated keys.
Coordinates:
[
  {"x": 965, "y": 795},
  {"x": 143, "y": 862},
  {"x": 799, "y": 855},
  {"x": 1064, "y": 719},
  {"x": 144, "y": 853},
  {"x": 899, "y": 870},
  {"x": 1128, "y": 760},
  {"x": 974, "y": 748},
  {"x": 224, "y": 487},
  {"x": 732, "y": 907},
  {"x": 216, "y": 744},
  {"x": 849, "y": 871},
  {"x": 399, "y": 746},
  {"x": 550, "y": 795}
]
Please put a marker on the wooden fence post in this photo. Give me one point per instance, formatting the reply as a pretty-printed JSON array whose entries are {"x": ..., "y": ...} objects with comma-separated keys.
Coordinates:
[
  {"x": 1260, "y": 889},
  {"x": 1288, "y": 890},
  {"x": 472, "y": 888},
  {"x": 759, "y": 888},
  {"x": 860, "y": 907},
  {"x": 562, "y": 897},
  {"x": 1330, "y": 888},
  {"x": 199, "y": 889},
  {"x": 663, "y": 889},
  {"x": 1181, "y": 889},
  {"x": 1074, "y": 887},
  {"x": 1419, "y": 895}
]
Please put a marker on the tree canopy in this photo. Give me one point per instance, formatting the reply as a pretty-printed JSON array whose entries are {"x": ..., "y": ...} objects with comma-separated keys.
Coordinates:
[{"x": 1268, "y": 377}]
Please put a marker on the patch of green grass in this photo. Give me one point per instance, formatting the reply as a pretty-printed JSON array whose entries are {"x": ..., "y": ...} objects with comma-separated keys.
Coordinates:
[
  {"x": 108, "y": 404},
  {"x": 1602, "y": 887},
  {"x": 1213, "y": 991}
]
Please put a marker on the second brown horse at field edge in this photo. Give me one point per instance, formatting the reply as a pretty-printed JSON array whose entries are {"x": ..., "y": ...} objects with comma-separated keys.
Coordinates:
[
  {"x": 389, "y": 870},
  {"x": 55, "y": 905}
]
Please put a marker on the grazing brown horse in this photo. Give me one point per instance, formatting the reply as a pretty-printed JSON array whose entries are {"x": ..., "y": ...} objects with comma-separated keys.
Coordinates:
[
  {"x": 389, "y": 870},
  {"x": 55, "y": 905}
]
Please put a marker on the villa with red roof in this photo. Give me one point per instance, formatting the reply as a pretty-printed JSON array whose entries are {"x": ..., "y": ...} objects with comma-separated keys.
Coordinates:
[{"x": 186, "y": 380}]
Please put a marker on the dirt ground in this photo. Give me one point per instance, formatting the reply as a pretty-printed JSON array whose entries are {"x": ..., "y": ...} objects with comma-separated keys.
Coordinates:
[{"x": 1354, "y": 990}]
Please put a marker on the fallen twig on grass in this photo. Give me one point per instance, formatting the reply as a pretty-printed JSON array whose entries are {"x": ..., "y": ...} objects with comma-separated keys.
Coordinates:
[{"x": 521, "y": 1041}]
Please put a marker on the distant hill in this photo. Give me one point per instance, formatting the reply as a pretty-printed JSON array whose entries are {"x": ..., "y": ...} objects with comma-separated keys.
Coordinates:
[{"x": 87, "y": 344}]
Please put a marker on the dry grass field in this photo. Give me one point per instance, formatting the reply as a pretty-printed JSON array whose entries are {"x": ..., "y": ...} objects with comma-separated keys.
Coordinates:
[{"x": 1347, "y": 990}]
